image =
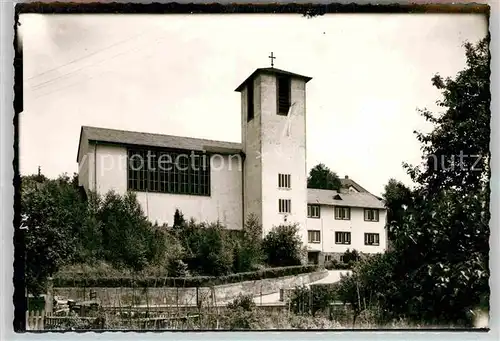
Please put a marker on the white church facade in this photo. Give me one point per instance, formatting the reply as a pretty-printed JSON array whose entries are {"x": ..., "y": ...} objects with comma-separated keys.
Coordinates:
[{"x": 264, "y": 175}]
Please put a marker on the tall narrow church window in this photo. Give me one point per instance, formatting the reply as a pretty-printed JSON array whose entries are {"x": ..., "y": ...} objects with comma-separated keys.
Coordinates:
[
  {"x": 284, "y": 94},
  {"x": 284, "y": 205},
  {"x": 168, "y": 172},
  {"x": 284, "y": 181},
  {"x": 250, "y": 108}
]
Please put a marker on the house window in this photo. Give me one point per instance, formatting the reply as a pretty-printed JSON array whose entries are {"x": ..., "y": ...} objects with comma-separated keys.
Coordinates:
[
  {"x": 284, "y": 181},
  {"x": 313, "y": 211},
  {"x": 342, "y": 213},
  {"x": 285, "y": 205},
  {"x": 250, "y": 102},
  {"x": 343, "y": 238},
  {"x": 371, "y": 215},
  {"x": 284, "y": 92},
  {"x": 328, "y": 258},
  {"x": 314, "y": 236},
  {"x": 168, "y": 172},
  {"x": 372, "y": 239}
]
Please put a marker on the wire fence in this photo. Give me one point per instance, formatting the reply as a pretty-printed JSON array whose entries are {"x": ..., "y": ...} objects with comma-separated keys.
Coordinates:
[
  {"x": 186, "y": 318},
  {"x": 180, "y": 308}
]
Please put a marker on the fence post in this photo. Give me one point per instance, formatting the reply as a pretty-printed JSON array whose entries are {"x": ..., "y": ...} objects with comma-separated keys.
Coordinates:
[
  {"x": 28, "y": 320},
  {"x": 310, "y": 301},
  {"x": 49, "y": 297},
  {"x": 197, "y": 299},
  {"x": 42, "y": 320},
  {"x": 36, "y": 314}
]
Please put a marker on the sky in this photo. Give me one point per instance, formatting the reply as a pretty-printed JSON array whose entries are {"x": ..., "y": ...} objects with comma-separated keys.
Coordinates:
[{"x": 176, "y": 75}]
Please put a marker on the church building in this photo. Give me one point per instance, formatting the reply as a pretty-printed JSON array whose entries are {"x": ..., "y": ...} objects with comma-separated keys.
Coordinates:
[{"x": 264, "y": 175}]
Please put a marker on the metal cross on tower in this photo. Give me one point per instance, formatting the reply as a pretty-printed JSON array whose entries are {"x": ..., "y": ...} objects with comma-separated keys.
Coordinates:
[{"x": 272, "y": 57}]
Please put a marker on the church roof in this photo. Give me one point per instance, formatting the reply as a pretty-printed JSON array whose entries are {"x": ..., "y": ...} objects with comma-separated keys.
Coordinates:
[
  {"x": 274, "y": 71},
  {"x": 351, "y": 199},
  {"x": 135, "y": 138}
]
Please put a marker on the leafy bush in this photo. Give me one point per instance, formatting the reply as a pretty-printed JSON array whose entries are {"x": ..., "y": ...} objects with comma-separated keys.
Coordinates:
[
  {"x": 350, "y": 256},
  {"x": 312, "y": 299},
  {"x": 282, "y": 246},
  {"x": 241, "y": 314},
  {"x": 244, "y": 302}
]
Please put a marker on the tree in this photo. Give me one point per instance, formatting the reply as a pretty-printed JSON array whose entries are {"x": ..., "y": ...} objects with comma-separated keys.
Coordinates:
[
  {"x": 214, "y": 254},
  {"x": 449, "y": 225},
  {"x": 282, "y": 246},
  {"x": 321, "y": 177},
  {"x": 179, "y": 220},
  {"x": 248, "y": 249},
  {"x": 456, "y": 153},
  {"x": 89, "y": 238},
  {"x": 52, "y": 213},
  {"x": 437, "y": 270},
  {"x": 126, "y": 231},
  {"x": 398, "y": 199}
]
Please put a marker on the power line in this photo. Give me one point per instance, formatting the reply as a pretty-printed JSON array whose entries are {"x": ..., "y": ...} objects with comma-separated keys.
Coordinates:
[
  {"x": 88, "y": 55},
  {"x": 91, "y": 77},
  {"x": 49, "y": 82}
]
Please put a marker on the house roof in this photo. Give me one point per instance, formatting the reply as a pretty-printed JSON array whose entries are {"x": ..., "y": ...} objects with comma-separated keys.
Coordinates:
[
  {"x": 125, "y": 137},
  {"x": 273, "y": 71},
  {"x": 349, "y": 182},
  {"x": 326, "y": 197}
]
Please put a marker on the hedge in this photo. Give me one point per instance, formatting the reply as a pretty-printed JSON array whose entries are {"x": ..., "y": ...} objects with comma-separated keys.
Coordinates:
[{"x": 79, "y": 279}]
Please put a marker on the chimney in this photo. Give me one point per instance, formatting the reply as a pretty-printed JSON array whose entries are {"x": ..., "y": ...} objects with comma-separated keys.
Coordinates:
[{"x": 347, "y": 176}]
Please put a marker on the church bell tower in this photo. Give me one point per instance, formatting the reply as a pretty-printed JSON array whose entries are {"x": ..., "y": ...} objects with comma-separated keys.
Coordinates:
[{"x": 273, "y": 128}]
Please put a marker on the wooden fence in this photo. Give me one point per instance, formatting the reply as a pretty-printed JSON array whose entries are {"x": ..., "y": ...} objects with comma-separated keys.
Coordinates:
[
  {"x": 35, "y": 320},
  {"x": 40, "y": 320}
]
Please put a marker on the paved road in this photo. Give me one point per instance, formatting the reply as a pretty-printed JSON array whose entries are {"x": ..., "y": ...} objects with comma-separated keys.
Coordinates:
[{"x": 332, "y": 277}]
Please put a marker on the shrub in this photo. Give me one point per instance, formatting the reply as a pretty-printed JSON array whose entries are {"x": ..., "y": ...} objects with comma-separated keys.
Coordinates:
[
  {"x": 311, "y": 300},
  {"x": 282, "y": 246},
  {"x": 244, "y": 302},
  {"x": 336, "y": 265},
  {"x": 349, "y": 257},
  {"x": 241, "y": 314}
]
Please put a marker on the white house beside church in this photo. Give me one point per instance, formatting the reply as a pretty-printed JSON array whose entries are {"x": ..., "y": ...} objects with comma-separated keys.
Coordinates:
[{"x": 265, "y": 174}]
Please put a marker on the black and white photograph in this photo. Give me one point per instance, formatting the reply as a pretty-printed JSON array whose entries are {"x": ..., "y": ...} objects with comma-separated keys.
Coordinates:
[{"x": 254, "y": 171}]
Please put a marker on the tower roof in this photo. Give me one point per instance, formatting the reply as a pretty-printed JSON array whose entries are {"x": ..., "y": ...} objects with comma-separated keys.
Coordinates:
[{"x": 274, "y": 71}]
